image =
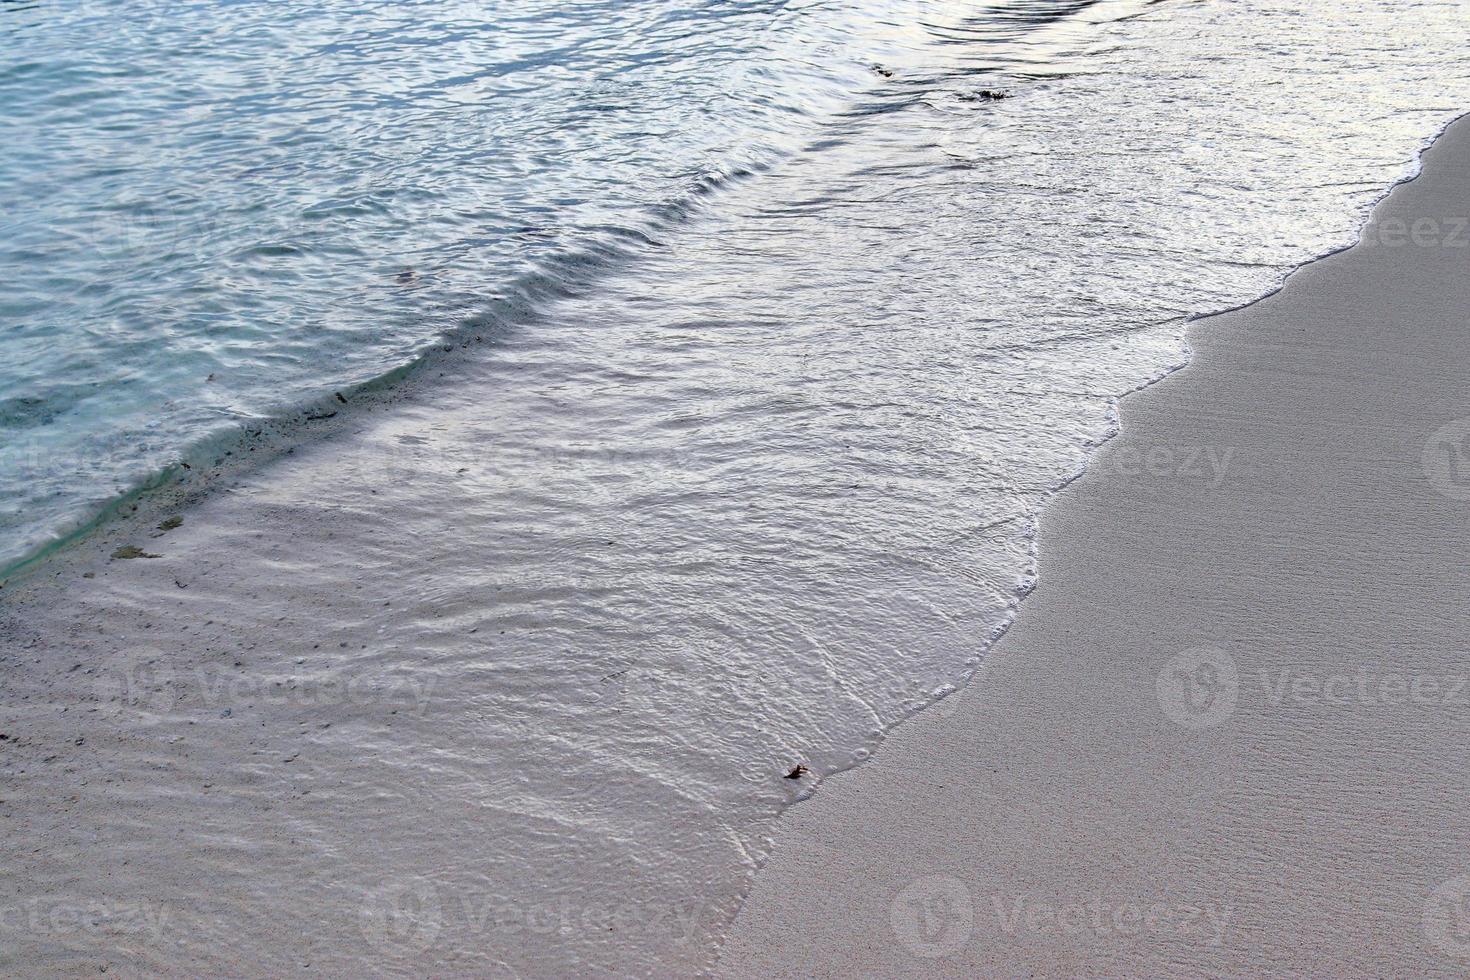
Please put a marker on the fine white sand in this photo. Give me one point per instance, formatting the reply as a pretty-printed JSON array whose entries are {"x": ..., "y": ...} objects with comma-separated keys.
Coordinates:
[{"x": 1230, "y": 731}]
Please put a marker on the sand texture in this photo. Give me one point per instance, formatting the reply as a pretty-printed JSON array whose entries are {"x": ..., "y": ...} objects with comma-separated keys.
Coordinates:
[{"x": 1229, "y": 732}]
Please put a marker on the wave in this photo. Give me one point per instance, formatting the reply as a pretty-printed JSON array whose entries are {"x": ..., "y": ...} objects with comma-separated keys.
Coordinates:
[{"x": 557, "y": 261}]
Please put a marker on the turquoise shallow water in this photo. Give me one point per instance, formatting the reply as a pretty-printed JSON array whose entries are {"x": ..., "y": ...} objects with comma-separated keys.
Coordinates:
[{"x": 212, "y": 213}]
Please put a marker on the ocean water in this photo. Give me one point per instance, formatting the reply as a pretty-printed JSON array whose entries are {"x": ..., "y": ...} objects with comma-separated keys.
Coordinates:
[
  {"x": 758, "y": 335},
  {"x": 213, "y": 213}
]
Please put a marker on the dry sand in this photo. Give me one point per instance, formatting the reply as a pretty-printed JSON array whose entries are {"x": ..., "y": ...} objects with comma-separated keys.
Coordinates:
[{"x": 1229, "y": 733}]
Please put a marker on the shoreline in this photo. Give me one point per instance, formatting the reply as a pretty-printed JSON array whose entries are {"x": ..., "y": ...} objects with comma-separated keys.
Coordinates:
[
  {"x": 1083, "y": 804},
  {"x": 515, "y": 674}
]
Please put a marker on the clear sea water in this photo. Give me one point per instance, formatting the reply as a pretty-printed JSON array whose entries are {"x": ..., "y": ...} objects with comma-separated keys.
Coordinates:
[
  {"x": 213, "y": 213},
  {"x": 759, "y": 334}
]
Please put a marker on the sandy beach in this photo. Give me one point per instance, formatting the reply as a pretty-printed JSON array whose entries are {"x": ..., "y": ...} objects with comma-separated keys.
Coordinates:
[
  {"x": 512, "y": 490},
  {"x": 1229, "y": 732}
]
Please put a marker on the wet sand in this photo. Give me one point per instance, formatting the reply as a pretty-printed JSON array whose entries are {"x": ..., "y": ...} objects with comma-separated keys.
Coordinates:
[{"x": 1229, "y": 733}]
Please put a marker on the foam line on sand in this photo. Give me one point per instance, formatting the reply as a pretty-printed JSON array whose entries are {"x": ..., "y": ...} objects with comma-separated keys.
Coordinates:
[{"x": 1229, "y": 733}]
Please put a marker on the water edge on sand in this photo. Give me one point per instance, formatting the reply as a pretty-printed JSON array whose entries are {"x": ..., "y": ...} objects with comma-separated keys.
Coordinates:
[{"x": 1229, "y": 732}]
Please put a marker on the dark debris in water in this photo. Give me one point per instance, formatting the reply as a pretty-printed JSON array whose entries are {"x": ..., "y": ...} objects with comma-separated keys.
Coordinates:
[
  {"x": 131, "y": 551},
  {"x": 797, "y": 771}
]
